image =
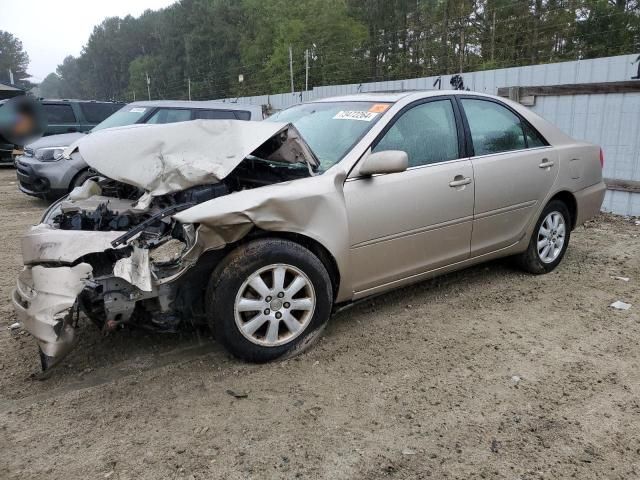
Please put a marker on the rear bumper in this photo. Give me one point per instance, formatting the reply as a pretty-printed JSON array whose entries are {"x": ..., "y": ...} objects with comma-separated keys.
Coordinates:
[{"x": 589, "y": 202}]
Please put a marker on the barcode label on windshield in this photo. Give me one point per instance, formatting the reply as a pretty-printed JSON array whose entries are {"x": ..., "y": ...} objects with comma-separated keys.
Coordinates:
[{"x": 355, "y": 115}]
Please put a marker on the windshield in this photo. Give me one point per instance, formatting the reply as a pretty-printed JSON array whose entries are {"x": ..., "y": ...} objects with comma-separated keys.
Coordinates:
[
  {"x": 127, "y": 115},
  {"x": 331, "y": 129}
]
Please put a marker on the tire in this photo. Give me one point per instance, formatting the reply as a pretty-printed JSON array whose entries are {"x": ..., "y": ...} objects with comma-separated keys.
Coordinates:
[
  {"x": 254, "y": 323},
  {"x": 534, "y": 260},
  {"x": 80, "y": 178}
]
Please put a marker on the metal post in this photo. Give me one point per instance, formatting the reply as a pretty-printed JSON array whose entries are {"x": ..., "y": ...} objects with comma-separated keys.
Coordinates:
[
  {"x": 306, "y": 67},
  {"x": 291, "y": 67},
  {"x": 148, "y": 85},
  {"x": 189, "y": 82}
]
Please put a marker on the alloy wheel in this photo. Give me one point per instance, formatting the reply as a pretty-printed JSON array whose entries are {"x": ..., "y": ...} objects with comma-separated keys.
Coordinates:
[{"x": 274, "y": 305}]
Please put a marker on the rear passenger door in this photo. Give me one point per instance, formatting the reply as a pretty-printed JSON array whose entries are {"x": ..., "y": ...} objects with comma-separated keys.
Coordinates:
[
  {"x": 60, "y": 118},
  {"x": 514, "y": 169}
]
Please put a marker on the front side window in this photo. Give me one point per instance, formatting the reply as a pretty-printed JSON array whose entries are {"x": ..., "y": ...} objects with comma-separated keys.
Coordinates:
[
  {"x": 331, "y": 129},
  {"x": 59, "y": 113},
  {"x": 427, "y": 132},
  {"x": 494, "y": 128},
  {"x": 170, "y": 115}
]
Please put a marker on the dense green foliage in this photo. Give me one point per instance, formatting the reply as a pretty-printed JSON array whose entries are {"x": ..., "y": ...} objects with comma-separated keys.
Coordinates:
[
  {"x": 209, "y": 43},
  {"x": 14, "y": 58}
]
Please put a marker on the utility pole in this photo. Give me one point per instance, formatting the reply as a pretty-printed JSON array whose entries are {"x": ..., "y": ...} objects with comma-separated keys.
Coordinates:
[
  {"x": 461, "y": 48},
  {"x": 148, "y": 85},
  {"x": 291, "y": 67},
  {"x": 134, "y": 95},
  {"x": 10, "y": 77},
  {"x": 189, "y": 83},
  {"x": 493, "y": 37},
  {"x": 306, "y": 69}
]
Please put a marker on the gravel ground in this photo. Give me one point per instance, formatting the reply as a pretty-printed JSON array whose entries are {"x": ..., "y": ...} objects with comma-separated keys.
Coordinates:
[{"x": 486, "y": 373}]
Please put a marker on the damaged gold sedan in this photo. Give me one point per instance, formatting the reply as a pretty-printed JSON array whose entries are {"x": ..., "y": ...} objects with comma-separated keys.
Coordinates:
[{"x": 262, "y": 229}]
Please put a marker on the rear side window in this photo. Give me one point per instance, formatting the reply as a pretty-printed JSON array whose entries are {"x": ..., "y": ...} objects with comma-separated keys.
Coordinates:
[
  {"x": 494, "y": 128},
  {"x": 170, "y": 115},
  {"x": 243, "y": 115},
  {"x": 59, "y": 113},
  {"x": 97, "y": 112},
  {"x": 222, "y": 114},
  {"x": 215, "y": 114},
  {"x": 427, "y": 132}
]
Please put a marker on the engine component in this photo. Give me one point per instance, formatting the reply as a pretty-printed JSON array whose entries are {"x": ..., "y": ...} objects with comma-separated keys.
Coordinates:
[{"x": 101, "y": 219}]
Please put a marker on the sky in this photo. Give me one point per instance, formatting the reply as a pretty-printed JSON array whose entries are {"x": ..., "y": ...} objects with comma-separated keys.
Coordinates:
[{"x": 52, "y": 29}]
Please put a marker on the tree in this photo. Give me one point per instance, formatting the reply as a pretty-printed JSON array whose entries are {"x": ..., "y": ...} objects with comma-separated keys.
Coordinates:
[
  {"x": 14, "y": 58},
  {"x": 51, "y": 86},
  {"x": 207, "y": 44}
]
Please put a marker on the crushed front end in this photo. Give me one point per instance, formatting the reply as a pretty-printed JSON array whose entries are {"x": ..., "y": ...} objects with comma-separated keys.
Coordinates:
[
  {"x": 95, "y": 253},
  {"x": 113, "y": 249}
]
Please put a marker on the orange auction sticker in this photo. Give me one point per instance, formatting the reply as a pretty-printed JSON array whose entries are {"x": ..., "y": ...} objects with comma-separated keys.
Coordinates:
[{"x": 379, "y": 108}]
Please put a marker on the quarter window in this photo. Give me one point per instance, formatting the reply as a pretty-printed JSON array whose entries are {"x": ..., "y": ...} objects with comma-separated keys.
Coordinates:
[
  {"x": 494, "y": 128},
  {"x": 533, "y": 138},
  {"x": 426, "y": 132},
  {"x": 97, "y": 112},
  {"x": 59, "y": 113}
]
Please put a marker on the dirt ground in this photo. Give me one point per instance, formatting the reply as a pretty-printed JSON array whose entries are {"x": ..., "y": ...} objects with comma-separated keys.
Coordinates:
[{"x": 486, "y": 373}]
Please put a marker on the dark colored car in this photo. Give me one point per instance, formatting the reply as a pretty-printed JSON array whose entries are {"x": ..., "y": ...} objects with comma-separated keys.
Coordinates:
[{"x": 66, "y": 116}]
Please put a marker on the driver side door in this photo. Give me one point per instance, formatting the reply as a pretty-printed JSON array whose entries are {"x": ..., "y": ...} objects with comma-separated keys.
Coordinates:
[{"x": 407, "y": 223}]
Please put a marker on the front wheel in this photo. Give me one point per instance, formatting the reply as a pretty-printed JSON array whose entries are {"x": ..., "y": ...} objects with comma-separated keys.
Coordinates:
[
  {"x": 267, "y": 299},
  {"x": 549, "y": 240}
]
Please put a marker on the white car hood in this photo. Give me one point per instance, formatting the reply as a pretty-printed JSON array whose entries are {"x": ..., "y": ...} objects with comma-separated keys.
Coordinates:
[{"x": 172, "y": 157}]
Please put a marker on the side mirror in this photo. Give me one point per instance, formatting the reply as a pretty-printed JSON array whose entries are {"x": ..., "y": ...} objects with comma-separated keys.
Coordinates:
[{"x": 388, "y": 161}]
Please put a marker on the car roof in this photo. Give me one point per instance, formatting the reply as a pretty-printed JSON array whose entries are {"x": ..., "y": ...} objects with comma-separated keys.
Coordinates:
[
  {"x": 197, "y": 104},
  {"x": 74, "y": 100},
  {"x": 394, "y": 96}
]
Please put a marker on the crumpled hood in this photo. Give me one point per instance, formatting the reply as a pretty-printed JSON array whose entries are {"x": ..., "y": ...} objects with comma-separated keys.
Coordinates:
[{"x": 168, "y": 158}]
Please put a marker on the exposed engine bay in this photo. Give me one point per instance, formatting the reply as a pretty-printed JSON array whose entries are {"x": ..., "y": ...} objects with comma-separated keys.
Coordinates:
[{"x": 124, "y": 253}]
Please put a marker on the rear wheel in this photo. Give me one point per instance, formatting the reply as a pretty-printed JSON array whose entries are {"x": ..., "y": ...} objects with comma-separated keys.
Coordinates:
[
  {"x": 267, "y": 299},
  {"x": 549, "y": 240}
]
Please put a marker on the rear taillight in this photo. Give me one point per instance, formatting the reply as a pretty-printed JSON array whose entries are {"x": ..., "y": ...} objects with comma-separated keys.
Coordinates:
[{"x": 601, "y": 158}]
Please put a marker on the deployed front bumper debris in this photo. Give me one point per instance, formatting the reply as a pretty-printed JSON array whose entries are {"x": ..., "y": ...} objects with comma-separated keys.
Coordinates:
[{"x": 44, "y": 301}]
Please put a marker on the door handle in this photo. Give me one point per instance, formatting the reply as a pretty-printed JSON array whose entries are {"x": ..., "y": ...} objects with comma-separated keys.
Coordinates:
[
  {"x": 546, "y": 163},
  {"x": 459, "y": 181}
]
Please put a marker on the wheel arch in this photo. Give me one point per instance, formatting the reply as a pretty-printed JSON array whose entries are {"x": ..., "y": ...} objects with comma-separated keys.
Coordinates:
[
  {"x": 570, "y": 201},
  {"x": 314, "y": 246},
  {"x": 75, "y": 177}
]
